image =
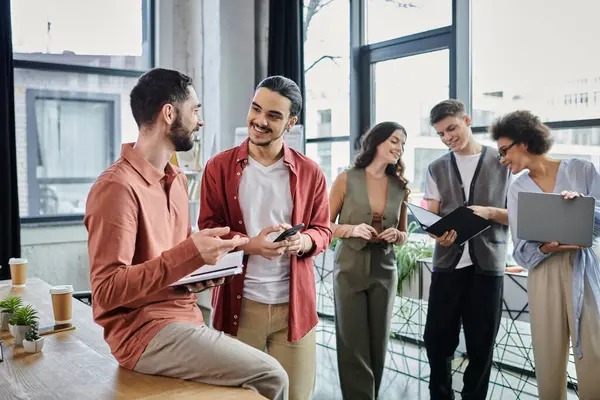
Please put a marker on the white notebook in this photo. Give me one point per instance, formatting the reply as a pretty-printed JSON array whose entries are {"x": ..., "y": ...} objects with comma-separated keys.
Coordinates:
[{"x": 231, "y": 264}]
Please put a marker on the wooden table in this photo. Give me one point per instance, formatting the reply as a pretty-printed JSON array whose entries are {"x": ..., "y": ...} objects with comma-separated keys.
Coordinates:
[{"x": 78, "y": 364}]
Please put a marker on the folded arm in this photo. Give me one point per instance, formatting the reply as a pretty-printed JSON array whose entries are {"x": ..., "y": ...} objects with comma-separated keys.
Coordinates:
[{"x": 111, "y": 221}]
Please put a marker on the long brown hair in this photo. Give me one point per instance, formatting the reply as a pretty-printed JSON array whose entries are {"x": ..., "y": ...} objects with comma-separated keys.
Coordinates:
[{"x": 368, "y": 148}]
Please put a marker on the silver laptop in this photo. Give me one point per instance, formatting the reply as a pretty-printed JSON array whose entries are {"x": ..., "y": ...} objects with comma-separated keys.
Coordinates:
[{"x": 548, "y": 217}]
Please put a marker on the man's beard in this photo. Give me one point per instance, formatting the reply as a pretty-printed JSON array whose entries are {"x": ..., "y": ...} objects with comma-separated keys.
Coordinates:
[
  {"x": 267, "y": 143},
  {"x": 182, "y": 139}
]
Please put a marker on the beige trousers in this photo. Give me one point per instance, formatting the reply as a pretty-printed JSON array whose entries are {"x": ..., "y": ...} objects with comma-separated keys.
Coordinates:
[
  {"x": 198, "y": 353},
  {"x": 551, "y": 313},
  {"x": 265, "y": 327}
]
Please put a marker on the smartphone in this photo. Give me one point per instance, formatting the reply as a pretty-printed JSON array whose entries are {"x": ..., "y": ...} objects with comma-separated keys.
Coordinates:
[
  {"x": 46, "y": 330},
  {"x": 290, "y": 232}
]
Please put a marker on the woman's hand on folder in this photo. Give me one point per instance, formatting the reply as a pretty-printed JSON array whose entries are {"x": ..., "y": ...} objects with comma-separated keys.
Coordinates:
[
  {"x": 499, "y": 215},
  {"x": 447, "y": 239},
  {"x": 482, "y": 211}
]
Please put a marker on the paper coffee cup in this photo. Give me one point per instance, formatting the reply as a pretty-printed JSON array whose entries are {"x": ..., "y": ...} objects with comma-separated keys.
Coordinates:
[
  {"x": 18, "y": 271},
  {"x": 62, "y": 303}
]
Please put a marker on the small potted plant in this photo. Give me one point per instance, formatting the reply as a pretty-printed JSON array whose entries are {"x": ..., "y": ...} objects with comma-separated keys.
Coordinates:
[
  {"x": 33, "y": 342},
  {"x": 22, "y": 321},
  {"x": 8, "y": 306}
]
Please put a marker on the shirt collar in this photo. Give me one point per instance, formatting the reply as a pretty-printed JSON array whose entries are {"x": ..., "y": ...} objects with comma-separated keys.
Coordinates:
[
  {"x": 143, "y": 167},
  {"x": 288, "y": 155}
]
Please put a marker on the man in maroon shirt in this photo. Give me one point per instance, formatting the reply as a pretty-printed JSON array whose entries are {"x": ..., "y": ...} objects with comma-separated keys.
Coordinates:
[
  {"x": 140, "y": 242},
  {"x": 260, "y": 188}
]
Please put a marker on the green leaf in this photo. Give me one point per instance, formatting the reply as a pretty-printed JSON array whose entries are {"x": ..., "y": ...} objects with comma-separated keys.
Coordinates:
[
  {"x": 408, "y": 256},
  {"x": 25, "y": 316},
  {"x": 11, "y": 304}
]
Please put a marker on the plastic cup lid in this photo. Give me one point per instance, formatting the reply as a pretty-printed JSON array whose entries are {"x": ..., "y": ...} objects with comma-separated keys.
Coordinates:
[
  {"x": 61, "y": 289},
  {"x": 17, "y": 261}
]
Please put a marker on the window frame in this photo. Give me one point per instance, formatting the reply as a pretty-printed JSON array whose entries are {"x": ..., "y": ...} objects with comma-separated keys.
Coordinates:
[
  {"x": 33, "y": 182},
  {"x": 367, "y": 55},
  {"x": 364, "y": 56},
  {"x": 149, "y": 33}
]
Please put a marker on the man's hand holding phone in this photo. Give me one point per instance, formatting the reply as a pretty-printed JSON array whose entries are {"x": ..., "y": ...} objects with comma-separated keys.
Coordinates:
[
  {"x": 261, "y": 244},
  {"x": 297, "y": 243}
]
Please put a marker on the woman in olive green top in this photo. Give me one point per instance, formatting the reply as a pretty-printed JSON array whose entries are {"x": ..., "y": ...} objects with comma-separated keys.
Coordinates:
[{"x": 368, "y": 199}]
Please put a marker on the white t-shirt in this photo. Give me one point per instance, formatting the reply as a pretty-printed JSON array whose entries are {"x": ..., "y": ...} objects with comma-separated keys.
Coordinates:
[
  {"x": 266, "y": 200},
  {"x": 466, "y": 167}
]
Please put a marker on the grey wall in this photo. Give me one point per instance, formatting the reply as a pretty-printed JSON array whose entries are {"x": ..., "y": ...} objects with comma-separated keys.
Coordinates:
[{"x": 237, "y": 65}]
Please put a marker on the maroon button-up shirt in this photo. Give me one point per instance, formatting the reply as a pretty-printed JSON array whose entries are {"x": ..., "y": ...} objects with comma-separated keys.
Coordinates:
[{"x": 219, "y": 206}]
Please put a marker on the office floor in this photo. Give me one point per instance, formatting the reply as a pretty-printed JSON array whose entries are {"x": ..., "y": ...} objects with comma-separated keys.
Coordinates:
[{"x": 398, "y": 385}]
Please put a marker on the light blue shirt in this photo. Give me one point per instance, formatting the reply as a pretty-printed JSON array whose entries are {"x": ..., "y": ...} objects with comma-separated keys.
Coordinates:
[{"x": 577, "y": 176}]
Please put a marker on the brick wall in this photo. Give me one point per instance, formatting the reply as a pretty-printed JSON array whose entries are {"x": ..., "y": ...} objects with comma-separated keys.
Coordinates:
[{"x": 70, "y": 82}]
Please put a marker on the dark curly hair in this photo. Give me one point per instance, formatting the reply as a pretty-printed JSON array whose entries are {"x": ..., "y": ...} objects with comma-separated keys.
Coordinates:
[
  {"x": 368, "y": 148},
  {"x": 523, "y": 126}
]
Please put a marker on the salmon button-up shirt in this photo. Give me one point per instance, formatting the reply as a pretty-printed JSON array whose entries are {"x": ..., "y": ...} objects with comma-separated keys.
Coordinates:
[
  {"x": 220, "y": 206},
  {"x": 138, "y": 241}
]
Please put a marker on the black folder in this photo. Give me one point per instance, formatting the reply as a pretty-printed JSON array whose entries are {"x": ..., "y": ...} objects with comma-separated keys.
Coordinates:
[{"x": 463, "y": 220}]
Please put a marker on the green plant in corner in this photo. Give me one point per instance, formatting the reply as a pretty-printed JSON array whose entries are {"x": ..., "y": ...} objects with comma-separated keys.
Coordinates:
[
  {"x": 408, "y": 256},
  {"x": 25, "y": 316},
  {"x": 32, "y": 335},
  {"x": 11, "y": 304}
]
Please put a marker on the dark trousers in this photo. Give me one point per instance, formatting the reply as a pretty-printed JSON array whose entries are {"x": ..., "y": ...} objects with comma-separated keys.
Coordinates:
[{"x": 476, "y": 300}]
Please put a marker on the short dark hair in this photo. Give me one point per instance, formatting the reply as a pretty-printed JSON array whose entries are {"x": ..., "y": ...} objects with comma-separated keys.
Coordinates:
[
  {"x": 153, "y": 90},
  {"x": 523, "y": 126},
  {"x": 285, "y": 87},
  {"x": 446, "y": 108}
]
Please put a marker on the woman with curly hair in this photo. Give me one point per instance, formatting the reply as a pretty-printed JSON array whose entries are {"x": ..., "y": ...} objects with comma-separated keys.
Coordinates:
[
  {"x": 368, "y": 199},
  {"x": 563, "y": 280}
]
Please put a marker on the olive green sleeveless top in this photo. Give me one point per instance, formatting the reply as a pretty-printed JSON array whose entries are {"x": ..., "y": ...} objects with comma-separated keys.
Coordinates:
[{"x": 353, "y": 253}]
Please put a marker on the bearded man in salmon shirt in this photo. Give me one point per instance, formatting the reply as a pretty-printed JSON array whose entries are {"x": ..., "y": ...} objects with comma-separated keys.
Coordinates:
[
  {"x": 260, "y": 188},
  {"x": 140, "y": 242}
]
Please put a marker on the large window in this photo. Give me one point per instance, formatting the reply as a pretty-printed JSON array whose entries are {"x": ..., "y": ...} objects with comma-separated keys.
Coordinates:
[
  {"x": 107, "y": 33},
  {"x": 390, "y": 19},
  {"x": 75, "y": 64},
  {"x": 547, "y": 61},
  {"x": 327, "y": 69},
  {"x": 405, "y": 91}
]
